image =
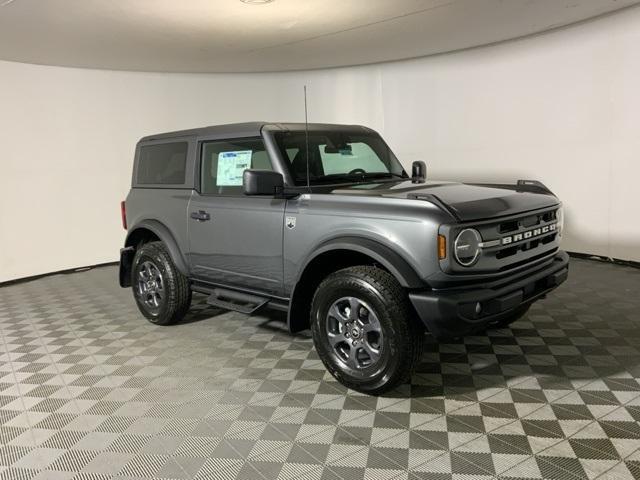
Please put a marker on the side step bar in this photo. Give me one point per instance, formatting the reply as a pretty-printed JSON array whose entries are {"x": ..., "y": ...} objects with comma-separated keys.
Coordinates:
[{"x": 236, "y": 301}]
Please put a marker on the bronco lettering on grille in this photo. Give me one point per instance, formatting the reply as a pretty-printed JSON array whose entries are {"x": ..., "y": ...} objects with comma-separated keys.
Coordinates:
[{"x": 536, "y": 232}]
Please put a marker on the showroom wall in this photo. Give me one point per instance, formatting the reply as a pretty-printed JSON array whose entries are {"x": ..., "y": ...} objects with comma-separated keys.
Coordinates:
[
  {"x": 67, "y": 138},
  {"x": 559, "y": 107}
]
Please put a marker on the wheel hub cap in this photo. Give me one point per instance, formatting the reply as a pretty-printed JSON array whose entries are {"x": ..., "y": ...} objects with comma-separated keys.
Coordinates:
[
  {"x": 150, "y": 285},
  {"x": 354, "y": 332}
]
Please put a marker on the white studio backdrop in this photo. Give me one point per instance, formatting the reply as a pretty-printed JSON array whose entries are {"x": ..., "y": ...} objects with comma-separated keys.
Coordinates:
[{"x": 561, "y": 107}]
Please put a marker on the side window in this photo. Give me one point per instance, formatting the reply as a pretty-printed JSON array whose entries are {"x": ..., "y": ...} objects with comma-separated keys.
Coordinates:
[
  {"x": 224, "y": 162},
  {"x": 162, "y": 164}
]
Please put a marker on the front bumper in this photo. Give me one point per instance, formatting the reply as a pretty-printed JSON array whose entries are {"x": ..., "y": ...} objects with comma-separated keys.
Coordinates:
[{"x": 453, "y": 312}]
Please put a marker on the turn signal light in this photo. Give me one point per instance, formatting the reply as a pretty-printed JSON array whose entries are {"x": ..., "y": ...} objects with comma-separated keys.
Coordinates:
[
  {"x": 442, "y": 247},
  {"x": 123, "y": 213}
]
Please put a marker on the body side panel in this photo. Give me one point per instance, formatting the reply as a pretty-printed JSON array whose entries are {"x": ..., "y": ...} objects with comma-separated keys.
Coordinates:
[
  {"x": 241, "y": 244},
  {"x": 407, "y": 227},
  {"x": 164, "y": 212}
]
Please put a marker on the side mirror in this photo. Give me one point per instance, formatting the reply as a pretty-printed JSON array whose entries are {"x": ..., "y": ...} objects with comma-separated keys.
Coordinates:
[
  {"x": 262, "y": 182},
  {"x": 418, "y": 172}
]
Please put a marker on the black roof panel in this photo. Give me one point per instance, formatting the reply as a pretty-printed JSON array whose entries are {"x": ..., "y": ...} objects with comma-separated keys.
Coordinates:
[{"x": 247, "y": 129}]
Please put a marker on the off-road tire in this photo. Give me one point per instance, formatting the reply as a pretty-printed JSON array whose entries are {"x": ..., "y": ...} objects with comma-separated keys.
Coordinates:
[
  {"x": 177, "y": 293},
  {"x": 504, "y": 322},
  {"x": 403, "y": 335}
]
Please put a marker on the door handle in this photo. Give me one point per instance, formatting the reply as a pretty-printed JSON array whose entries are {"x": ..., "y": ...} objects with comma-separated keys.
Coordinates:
[{"x": 200, "y": 216}]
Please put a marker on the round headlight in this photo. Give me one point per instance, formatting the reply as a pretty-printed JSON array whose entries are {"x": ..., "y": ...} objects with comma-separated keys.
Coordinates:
[{"x": 466, "y": 248}]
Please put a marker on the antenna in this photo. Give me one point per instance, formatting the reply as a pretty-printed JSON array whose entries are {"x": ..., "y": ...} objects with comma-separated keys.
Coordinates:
[{"x": 306, "y": 134}]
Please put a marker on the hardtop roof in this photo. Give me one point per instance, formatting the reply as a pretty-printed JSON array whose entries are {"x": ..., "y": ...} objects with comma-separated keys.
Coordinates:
[{"x": 249, "y": 129}]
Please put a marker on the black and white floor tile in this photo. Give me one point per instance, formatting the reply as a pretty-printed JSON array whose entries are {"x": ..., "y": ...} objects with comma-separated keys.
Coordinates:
[{"x": 90, "y": 390}]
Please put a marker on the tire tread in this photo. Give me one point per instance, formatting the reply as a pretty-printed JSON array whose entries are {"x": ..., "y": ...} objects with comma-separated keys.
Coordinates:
[
  {"x": 176, "y": 283},
  {"x": 398, "y": 307}
]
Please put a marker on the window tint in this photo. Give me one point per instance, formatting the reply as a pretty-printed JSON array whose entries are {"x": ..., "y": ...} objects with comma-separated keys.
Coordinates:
[
  {"x": 163, "y": 164},
  {"x": 359, "y": 156},
  {"x": 337, "y": 156},
  {"x": 223, "y": 164}
]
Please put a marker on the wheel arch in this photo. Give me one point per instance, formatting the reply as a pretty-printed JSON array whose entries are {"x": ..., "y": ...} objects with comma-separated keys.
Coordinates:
[
  {"x": 151, "y": 230},
  {"x": 341, "y": 253}
]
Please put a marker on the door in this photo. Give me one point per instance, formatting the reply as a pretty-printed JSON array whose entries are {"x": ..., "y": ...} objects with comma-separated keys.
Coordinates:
[{"x": 234, "y": 239}]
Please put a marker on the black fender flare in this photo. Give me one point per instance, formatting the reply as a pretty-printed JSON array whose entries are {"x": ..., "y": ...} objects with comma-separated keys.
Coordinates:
[
  {"x": 380, "y": 253},
  {"x": 384, "y": 255},
  {"x": 164, "y": 234}
]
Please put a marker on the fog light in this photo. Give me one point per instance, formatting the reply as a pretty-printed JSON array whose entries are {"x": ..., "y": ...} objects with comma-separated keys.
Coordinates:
[{"x": 478, "y": 308}]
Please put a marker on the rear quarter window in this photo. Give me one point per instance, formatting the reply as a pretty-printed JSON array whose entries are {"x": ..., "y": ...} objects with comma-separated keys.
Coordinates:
[{"x": 162, "y": 164}]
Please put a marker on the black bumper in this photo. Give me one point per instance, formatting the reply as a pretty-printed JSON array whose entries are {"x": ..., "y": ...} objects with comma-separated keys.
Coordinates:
[{"x": 453, "y": 312}]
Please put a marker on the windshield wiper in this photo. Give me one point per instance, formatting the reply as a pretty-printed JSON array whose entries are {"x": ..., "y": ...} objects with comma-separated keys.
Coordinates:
[
  {"x": 383, "y": 174},
  {"x": 351, "y": 176}
]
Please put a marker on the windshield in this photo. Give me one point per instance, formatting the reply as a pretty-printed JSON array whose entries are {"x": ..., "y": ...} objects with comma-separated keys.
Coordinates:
[{"x": 336, "y": 157}]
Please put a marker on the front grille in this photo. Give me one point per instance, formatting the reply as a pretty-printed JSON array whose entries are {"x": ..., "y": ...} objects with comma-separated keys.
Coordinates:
[
  {"x": 528, "y": 221},
  {"x": 525, "y": 246},
  {"x": 506, "y": 227},
  {"x": 526, "y": 224},
  {"x": 543, "y": 254},
  {"x": 510, "y": 242}
]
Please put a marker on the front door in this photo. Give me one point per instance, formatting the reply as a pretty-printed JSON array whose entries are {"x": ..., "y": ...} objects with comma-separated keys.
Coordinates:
[{"x": 234, "y": 239}]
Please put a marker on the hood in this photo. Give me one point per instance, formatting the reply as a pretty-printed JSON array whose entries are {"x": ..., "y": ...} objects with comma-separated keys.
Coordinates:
[{"x": 467, "y": 202}]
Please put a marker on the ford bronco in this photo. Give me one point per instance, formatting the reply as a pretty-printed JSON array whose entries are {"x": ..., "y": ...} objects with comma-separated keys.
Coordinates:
[{"x": 322, "y": 222}]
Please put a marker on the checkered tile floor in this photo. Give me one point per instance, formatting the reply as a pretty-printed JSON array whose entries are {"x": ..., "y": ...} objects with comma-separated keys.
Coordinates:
[{"x": 91, "y": 390}]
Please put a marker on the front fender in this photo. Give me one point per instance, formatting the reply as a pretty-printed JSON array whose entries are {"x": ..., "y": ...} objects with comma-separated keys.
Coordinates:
[
  {"x": 382, "y": 254},
  {"x": 303, "y": 288}
]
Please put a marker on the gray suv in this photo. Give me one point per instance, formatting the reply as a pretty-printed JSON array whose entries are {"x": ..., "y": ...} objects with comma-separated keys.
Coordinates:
[{"x": 322, "y": 222}]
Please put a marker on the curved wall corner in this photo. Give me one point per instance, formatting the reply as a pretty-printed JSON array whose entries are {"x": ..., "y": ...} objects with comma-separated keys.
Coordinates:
[{"x": 559, "y": 107}]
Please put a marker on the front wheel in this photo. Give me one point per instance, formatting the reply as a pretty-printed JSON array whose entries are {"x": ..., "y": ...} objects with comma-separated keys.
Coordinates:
[{"x": 363, "y": 329}]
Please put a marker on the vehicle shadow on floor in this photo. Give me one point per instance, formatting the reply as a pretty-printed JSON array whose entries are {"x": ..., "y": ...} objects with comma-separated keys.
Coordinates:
[
  {"x": 200, "y": 311},
  {"x": 272, "y": 320},
  {"x": 507, "y": 358},
  {"x": 526, "y": 356}
]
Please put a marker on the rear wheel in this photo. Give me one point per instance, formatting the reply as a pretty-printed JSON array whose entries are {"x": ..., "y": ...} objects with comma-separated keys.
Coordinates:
[
  {"x": 161, "y": 292},
  {"x": 363, "y": 329}
]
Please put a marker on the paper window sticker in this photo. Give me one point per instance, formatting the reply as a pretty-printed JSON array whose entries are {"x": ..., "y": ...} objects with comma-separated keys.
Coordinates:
[{"x": 231, "y": 166}]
